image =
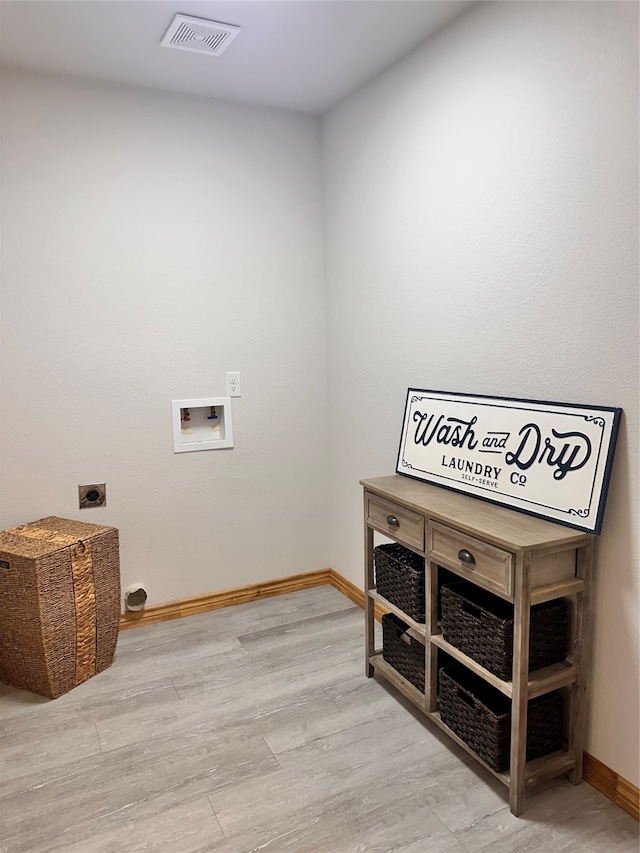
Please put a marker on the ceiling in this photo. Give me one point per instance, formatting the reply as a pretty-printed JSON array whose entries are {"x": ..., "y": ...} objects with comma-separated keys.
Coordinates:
[{"x": 303, "y": 55}]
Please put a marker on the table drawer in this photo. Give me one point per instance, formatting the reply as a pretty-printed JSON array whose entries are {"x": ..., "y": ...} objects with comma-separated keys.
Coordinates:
[
  {"x": 396, "y": 521},
  {"x": 480, "y": 562}
]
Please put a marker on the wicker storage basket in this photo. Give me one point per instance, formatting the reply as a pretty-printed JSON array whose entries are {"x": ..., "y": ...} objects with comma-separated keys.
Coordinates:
[
  {"x": 59, "y": 604},
  {"x": 404, "y": 653},
  {"x": 481, "y": 625},
  {"x": 400, "y": 578},
  {"x": 481, "y": 716}
]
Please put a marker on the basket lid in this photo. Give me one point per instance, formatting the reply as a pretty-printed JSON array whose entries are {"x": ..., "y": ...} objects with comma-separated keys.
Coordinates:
[{"x": 47, "y": 535}]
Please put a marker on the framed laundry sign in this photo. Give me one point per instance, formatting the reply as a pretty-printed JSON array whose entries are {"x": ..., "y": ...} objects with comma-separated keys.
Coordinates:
[{"x": 552, "y": 460}]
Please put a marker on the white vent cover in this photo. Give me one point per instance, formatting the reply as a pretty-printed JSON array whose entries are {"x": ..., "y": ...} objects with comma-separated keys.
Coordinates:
[{"x": 199, "y": 35}]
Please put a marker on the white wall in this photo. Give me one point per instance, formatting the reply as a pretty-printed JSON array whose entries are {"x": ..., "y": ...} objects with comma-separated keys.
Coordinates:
[
  {"x": 151, "y": 243},
  {"x": 481, "y": 236}
]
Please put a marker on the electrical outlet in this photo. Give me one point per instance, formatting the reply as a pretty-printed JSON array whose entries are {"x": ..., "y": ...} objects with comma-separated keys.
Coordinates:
[
  {"x": 233, "y": 385},
  {"x": 94, "y": 495}
]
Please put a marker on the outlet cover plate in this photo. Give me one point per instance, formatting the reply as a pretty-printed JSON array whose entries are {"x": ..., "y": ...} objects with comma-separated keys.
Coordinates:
[
  {"x": 233, "y": 384},
  {"x": 92, "y": 495}
]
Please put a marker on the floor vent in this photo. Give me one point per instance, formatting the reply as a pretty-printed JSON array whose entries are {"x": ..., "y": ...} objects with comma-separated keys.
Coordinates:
[{"x": 199, "y": 35}]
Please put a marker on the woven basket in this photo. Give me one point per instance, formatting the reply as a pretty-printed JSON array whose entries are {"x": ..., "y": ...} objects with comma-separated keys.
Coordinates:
[
  {"x": 404, "y": 653},
  {"x": 481, "y": 625},
  {"x": 59, "y": 604},
  {"x": 481, "y": 716},
  {"x": 400, "y": 578}
]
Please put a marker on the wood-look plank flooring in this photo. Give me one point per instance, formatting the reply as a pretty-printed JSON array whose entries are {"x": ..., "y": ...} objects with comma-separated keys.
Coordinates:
[{"x": 254, "y": 729}]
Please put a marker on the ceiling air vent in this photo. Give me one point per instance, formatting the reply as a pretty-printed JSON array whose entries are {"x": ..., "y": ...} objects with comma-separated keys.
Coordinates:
[{"x": 199, "y": 35}]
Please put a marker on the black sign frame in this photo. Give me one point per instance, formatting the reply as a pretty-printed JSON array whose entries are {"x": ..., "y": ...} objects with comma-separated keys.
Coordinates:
[{"x": 447, "y": 440}]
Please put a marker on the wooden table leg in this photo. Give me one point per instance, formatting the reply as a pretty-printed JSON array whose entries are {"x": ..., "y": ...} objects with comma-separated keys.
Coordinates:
[
  {"x": 522, "y": 606},
  {"x": 431, "y": 627},
  {"x": 580, "y": 654},
  {"x": 369, "y": 626}
]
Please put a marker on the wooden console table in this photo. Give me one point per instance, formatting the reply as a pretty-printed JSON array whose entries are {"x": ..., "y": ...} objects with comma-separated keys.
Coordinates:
[{"x": 522, "y": 559}]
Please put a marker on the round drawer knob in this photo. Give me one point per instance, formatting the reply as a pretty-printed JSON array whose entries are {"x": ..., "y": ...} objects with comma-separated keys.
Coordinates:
[
  {"x": 466, "y": 556},
  {"x": 392, "y": 521}
]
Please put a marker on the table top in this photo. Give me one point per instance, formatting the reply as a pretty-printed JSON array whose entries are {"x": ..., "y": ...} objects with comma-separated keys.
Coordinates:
[{"x": 488, "y": 521}]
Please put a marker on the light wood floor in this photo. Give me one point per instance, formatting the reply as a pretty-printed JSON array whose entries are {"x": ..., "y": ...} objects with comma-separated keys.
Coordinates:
[{"x": 254, "y": 729}]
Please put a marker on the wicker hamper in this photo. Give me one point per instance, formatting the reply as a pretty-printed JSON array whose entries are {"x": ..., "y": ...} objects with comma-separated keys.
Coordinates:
[
  {"x": 400, "y": 578},
  {"x": 481, "y": 716},
  {"x": 59, "y": 604},
  {"x": 481, "y": 625},
  {"x": 401, "y": 651}
]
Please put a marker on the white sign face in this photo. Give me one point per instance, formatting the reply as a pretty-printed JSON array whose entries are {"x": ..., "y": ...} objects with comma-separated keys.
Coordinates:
[{"x": 547, "y": 459}]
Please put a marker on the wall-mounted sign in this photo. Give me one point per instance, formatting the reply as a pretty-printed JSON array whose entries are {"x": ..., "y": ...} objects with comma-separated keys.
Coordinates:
[{"x": 552, "y": 460}]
